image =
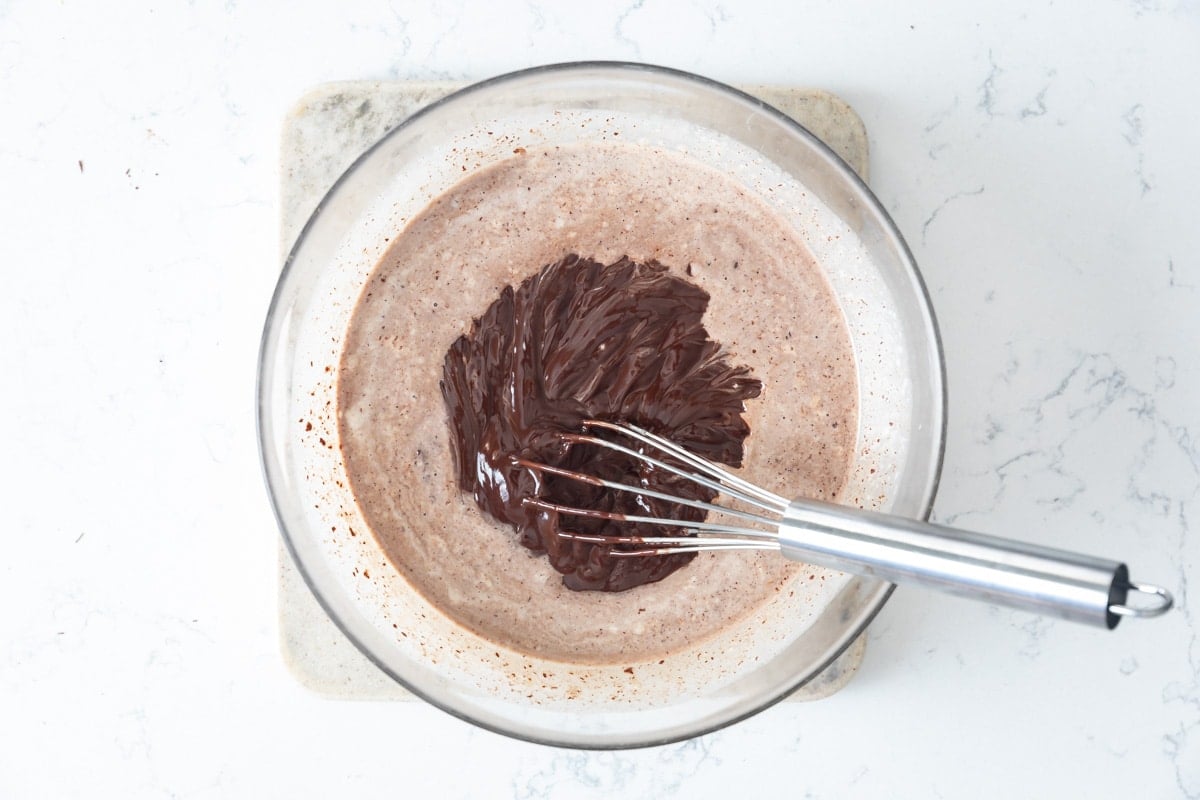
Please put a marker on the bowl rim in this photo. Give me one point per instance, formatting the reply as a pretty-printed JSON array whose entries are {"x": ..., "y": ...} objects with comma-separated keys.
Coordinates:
[{"x": 273, "y": 471}]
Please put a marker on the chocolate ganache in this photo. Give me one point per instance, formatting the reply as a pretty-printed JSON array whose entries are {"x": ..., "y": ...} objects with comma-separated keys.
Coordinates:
[{"x": 583, "y": 340}]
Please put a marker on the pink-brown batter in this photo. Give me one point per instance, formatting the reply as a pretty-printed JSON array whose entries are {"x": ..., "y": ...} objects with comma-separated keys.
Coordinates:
[{"x": 770, "y": 307}]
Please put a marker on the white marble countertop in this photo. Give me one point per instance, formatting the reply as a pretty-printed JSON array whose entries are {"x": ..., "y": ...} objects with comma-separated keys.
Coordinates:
[{"x": 1042, "y": 161}]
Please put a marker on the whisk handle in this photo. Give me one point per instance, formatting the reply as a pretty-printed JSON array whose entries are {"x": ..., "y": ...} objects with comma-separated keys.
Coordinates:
[{"x": 1026, "y": 576}]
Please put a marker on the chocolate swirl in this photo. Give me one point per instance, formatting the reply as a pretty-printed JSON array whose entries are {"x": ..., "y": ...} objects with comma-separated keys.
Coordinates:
[{"x": 581, "y": 340}]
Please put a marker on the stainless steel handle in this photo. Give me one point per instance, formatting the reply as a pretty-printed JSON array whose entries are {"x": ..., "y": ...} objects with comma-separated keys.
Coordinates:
[{"x": 1027, "y": 576}]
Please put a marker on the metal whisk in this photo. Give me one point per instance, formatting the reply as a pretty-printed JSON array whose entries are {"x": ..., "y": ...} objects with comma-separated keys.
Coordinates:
[{"x": 1031, "y": 577}]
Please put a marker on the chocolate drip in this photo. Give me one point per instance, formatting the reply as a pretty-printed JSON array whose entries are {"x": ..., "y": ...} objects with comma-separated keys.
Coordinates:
[{"x": 581, "y": 340}]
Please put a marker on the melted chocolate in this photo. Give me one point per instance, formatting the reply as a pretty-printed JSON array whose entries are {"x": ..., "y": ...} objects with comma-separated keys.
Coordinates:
[{"x": 581, "y": 340}]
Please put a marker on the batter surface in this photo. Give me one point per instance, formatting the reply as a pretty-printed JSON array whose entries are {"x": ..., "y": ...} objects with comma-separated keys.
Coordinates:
[{"x": 770, "y": 307}]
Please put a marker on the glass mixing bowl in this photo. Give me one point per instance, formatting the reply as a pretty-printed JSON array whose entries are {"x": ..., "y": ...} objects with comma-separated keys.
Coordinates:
[{"x": 891, "y": 325}]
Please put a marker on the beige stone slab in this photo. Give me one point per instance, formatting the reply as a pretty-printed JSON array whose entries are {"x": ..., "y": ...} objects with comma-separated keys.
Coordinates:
[{"x": 322, "y": 136}]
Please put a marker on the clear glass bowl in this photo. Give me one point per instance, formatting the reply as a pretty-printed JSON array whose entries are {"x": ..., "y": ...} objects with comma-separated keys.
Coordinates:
[{"x": 893, "y": 330}]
